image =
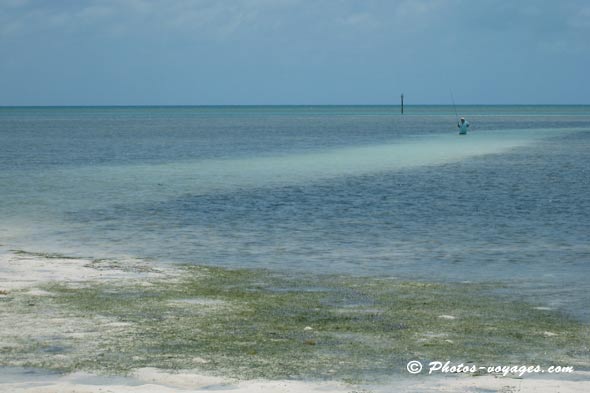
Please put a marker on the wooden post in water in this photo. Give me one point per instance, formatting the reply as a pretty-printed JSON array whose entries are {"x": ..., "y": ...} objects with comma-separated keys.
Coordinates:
[{"x": 402, "y": 103}]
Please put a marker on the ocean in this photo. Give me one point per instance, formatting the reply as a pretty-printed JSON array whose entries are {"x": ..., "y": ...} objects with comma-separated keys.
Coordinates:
[{"x": 348, "y": 190}]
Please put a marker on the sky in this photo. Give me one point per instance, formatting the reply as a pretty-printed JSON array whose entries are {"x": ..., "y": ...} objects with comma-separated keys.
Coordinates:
[{"x": 308, "y": 52}]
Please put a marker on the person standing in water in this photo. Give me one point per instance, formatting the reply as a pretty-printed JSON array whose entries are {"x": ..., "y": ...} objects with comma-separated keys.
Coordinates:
[{"x": 463, "y": 125}]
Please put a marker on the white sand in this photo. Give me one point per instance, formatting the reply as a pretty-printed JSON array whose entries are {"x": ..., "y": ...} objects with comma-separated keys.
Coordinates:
[
  {"x": 19, "y": 271},
  {"x": 150, "y": 380},
  {"x": 490, "y": 383}
]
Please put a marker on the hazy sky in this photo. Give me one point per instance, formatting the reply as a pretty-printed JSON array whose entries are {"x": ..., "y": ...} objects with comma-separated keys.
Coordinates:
[{"x": 73, "y": 52}]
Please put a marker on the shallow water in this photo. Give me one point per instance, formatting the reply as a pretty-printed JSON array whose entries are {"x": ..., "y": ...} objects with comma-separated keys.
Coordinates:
[{"x": 352, "y": 190}]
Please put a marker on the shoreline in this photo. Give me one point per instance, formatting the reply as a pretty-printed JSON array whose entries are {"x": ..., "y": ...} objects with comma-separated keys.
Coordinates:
[
  {"x": 28, "y": 280},
  {"x": 153, "y": 380}
]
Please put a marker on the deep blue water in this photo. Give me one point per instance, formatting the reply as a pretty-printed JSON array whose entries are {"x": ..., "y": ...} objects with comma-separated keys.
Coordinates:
[{"x": 351, "y": 190}]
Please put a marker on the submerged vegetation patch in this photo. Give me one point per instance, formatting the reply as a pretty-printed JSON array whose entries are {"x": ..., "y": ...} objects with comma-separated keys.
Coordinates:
[{"x": 258, "y": 324}]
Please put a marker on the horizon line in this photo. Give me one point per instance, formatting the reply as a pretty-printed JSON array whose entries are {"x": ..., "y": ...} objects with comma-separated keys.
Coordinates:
[{"x": 266, "y": 105}]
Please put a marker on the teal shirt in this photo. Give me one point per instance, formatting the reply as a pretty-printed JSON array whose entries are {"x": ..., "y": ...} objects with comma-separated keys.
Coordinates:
[{"x": 463, "y": 127}]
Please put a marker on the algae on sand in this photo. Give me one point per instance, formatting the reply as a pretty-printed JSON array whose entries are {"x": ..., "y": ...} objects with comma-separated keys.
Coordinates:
[{"x": 258, "y": 324}]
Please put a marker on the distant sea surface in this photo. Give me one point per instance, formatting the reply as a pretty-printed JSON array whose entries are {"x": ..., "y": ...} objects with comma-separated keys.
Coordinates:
[{"x": 358, "y": 190}]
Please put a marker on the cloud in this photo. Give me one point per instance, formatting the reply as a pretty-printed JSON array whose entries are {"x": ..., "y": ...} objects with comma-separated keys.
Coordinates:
[
  {"x": 580, "y": 19},
  {"x": 13, "y": 3},
  {"x": 274, "y": 44},
  {"x": 208, "y": 18}
]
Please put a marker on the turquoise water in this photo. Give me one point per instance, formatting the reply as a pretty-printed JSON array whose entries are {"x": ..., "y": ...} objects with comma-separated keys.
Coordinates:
[{"x": 329, "y": 189}]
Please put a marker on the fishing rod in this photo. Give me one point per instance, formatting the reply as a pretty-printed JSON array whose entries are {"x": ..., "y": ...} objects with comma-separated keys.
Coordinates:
[{"x": 454, "y": 106}]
